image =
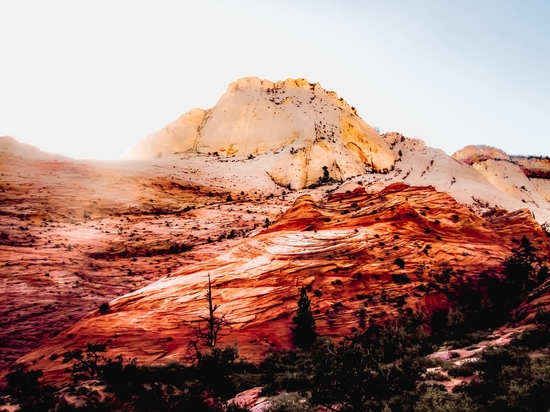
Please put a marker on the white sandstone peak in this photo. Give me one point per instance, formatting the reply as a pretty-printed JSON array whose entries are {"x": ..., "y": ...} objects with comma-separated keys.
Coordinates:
[{"x": 295, "y": 126}]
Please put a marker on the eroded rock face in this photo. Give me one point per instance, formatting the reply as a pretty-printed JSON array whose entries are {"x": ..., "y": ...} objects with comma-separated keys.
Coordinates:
[
  {"x": 526, "y": 179},
  {"x": 76, "y": 234},
  {"x": 477, "y": 180},
  {"x": 474, "y": 153},
  {"x": 534, "y": 167},
  {"x": 296, "y": 127},
  {"x": 377, "y": 251}
]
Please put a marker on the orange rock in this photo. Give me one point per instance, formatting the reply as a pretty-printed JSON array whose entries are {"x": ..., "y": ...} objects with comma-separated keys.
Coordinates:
[{"x": 343, "y": 250}]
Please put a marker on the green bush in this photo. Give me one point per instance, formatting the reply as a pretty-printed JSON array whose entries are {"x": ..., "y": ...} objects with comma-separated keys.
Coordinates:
[
  {"x": 465, "y": 369},
  {"x": 289, "y": 402},
  {"x": 437, "y": 399}
]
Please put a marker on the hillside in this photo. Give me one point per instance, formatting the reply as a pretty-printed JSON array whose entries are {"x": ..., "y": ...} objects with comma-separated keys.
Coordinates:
[
  {"x": 76, "y": 234},
  {"x": 483, "y": 178},
  {"x": 278, "y": 185},
  {"x": 298, "y": 127},
  {"x": 385, "y": 251}
]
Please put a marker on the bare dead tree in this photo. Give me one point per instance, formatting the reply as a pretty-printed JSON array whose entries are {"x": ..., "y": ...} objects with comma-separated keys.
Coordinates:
[{"x": 213, "y": 322}]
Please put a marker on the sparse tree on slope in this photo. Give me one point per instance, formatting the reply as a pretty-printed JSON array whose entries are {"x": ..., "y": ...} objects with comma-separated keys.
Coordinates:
[{"x": 213, "y": 322}]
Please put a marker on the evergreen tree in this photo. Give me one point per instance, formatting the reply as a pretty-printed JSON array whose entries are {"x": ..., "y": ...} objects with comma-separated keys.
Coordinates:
[
  {"x": 326, "y": 175},
  {"x": 520, "y": 267},
  {"x": 304, "y": 332}
]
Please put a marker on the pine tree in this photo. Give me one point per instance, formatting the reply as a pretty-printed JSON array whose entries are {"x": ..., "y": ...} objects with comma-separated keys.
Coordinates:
[
  {"x": 304, "y": 332},
  {"x": 519, "y": 268}
]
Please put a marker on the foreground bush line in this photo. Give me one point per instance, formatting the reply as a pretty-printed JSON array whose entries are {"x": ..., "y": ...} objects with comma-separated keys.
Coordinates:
[{"x": 382, "y": 369}]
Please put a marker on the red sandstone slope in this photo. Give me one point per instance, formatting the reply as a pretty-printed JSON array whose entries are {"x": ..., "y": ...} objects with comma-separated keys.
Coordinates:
[
  {"x": 343, "y": 250},
  {"x": 76, "y": 234}
]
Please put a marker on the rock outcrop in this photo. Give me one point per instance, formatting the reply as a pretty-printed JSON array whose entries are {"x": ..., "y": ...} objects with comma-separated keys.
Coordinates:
[
  {"x": 296, "y": 127},
  {"x": 472, "y": 177},
  {"x": 474, "y": 153},
  {"x": 378, "y": 252},
  {"x": 526, "y": 179},
  {"x": 76, "y": 234}
]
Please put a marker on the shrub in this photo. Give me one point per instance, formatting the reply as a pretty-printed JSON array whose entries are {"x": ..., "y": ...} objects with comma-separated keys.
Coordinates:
[
  {"x": 401, "y": 279},
  {"x": 437, "y": 399},
  {"x": 104, "y": 308},
  {"x": 436, "y": 376},
  {"x": 304, "y": 332},
  {"x": 465, "y": 369},
  {"x": 289, "y": 402}
]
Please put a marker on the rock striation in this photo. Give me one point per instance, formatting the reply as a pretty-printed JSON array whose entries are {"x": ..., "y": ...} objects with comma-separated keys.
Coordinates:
[
  {"x": 356, "y": 252},
  {"x": 295, "y": 126},
  {"x": 76, "y": 234}
]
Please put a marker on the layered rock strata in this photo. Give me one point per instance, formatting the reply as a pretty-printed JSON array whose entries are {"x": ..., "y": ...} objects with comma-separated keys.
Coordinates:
[{"x": 380, "y": 253}]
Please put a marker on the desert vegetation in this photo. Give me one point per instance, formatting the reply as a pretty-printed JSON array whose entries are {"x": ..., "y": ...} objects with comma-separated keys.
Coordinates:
[{"x": 386, "y": 366}]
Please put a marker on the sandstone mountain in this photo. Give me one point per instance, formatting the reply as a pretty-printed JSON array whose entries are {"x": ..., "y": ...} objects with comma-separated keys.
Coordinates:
[
  {"x": 209, "y": 194},
  {"x": 481, "y": 177},
  {"x": 524, "y": 178},
  {"x": 298, "y": 127}
]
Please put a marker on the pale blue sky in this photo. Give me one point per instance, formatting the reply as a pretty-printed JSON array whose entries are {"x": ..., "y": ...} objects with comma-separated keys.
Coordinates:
[{"x": 88, "y": 79}]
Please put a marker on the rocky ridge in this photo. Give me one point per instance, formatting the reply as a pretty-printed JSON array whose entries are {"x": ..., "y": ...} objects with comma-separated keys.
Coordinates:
[
  {"x": 526, "y": 179},
  {"x": 382, "y": 251},
  {"x": 470, "y": 176},
  {"x": 296, "y": 126}
]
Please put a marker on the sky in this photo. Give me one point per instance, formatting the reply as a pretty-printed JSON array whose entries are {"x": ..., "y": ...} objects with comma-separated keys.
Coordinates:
[{"x": 89, "y": 79}]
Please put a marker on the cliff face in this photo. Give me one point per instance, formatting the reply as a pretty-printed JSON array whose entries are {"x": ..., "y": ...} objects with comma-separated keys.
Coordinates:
[
  {"x": 526, "y": 179},
  {"x": 377, "y": 251},
  {"x": 296, "y": 127},
  {"x": 76, "y": 234}
]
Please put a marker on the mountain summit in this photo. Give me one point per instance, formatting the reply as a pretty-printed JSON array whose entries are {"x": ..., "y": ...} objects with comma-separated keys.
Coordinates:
[{"x": 301, "y": 131}]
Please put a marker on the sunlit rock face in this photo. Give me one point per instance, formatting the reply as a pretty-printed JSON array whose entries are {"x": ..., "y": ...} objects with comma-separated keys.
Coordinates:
[
  {"x": 526, "y": 179},
  {"x": 296, "y": 127},
  {"x": 75, "y": 234},
  {"x": 473, "y": 153},
  {"x": 379, "y": 251}
]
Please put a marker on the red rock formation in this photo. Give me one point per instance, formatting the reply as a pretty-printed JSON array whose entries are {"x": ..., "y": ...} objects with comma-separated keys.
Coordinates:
[
  {"x": 343, "y": 250},
  {"x": 76, "y": 234}
]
